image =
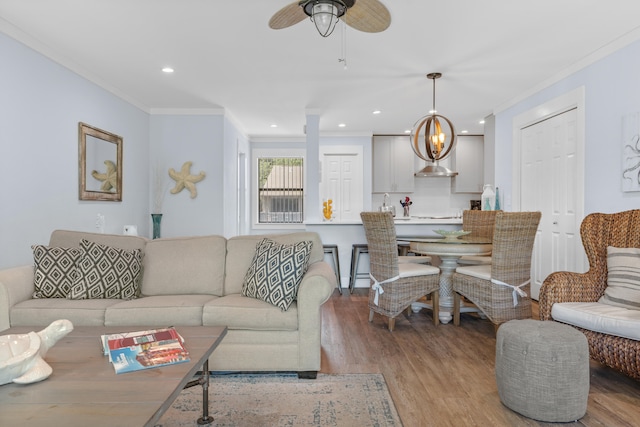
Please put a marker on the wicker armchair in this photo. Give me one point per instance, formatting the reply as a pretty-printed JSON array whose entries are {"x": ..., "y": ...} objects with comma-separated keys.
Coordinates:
[
  {"x": 480, "y": 224},
  {"x": 502, "y": 289},
  {"x": 598, "y": 231},
  {"x": 394, "y": 286}
]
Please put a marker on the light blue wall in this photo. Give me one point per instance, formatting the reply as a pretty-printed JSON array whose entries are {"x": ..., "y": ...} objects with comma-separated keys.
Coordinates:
[
  {"x": 177, "y": 139},
  {"x": 41, "y": 104},
  {"x": 612, "y": 90}
]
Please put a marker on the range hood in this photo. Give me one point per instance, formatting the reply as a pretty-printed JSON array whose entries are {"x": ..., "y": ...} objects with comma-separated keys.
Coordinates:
[{"x": 435, "y": 170}]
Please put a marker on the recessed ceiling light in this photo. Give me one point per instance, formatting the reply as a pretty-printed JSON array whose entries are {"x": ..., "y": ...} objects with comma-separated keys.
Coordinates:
[
  {"x": 464, "y": 131},
  {"x": 407, "y": 131},
  {"x": 274, "y": 125},
  {"x": 481, "y": 122},
  {"x": 377, "y": 111},
  {"x": 341, "y": 125},
  {"x": 167, "y": 70}
]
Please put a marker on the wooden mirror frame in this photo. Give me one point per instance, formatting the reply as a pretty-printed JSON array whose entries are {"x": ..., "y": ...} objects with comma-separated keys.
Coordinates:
[{"x": 103, "y": 194}]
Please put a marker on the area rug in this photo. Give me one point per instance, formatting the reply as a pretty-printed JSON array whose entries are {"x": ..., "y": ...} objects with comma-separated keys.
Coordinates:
[{"x": 284, "y": 400}]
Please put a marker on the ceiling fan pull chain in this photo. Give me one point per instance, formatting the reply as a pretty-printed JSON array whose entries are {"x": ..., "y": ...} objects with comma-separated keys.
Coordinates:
[{"x": 343, "y": 57}]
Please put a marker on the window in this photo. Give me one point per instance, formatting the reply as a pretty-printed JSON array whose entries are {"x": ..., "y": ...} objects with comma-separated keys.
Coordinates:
[{"x": 280, "y": 190}]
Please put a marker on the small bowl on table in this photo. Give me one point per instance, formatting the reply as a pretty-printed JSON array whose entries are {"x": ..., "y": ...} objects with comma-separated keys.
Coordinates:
[{"x": 451, "y": 234}]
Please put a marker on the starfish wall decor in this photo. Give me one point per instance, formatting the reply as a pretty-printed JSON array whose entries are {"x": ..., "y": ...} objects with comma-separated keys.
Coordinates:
[
  {"x": 109, "y": 179},
  {"x": 184, "y": 179}
]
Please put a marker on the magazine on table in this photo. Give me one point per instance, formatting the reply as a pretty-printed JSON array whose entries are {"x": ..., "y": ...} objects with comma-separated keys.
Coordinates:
[{"x": 134, "y": 351}]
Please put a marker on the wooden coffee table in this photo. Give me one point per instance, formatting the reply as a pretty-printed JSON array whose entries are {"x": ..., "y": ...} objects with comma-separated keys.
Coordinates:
[{"x": 84, "y": 389}]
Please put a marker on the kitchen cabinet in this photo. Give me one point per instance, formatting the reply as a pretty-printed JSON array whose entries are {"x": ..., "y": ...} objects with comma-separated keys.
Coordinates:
[
  {"x": 393, "y": 164},
  {"x": 468, "y": 161}
]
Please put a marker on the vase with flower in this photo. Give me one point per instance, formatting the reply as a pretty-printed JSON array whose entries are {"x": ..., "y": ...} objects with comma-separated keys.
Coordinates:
[{"x": 405, "y": 206}]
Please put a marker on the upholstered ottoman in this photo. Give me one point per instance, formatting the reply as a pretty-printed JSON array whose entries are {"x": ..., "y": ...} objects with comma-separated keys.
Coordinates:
[{"x": 542, "y": 370}]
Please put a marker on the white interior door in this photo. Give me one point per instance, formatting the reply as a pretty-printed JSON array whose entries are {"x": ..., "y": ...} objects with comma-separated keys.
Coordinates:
[
  {"x": 548, "y": 167},
  {"x": 342, "y": 182}
]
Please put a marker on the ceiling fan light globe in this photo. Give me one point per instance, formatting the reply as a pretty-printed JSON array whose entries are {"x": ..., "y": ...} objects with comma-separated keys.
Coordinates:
[{"x": 325, "y": 17}]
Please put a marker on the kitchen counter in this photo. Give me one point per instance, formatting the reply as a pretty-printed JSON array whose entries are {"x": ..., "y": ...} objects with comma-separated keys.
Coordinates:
[{"x": 414, "y": 220}]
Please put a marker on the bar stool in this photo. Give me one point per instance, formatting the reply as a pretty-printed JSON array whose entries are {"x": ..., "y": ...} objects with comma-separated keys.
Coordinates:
[
  {"x": 333, "y": 250},
  {"x": 362, "y": 248},
  {"x": 356, "y": 250}
]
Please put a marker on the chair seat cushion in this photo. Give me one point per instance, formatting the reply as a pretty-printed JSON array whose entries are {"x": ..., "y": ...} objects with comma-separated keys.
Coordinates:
[
  {"x": 474, "y": 260},
  {"x": 410, "y": 269},
  {"x": 480, "y": 271},
  {"x": 598, "y": 317},
  {"x": 415, "y": 259}
]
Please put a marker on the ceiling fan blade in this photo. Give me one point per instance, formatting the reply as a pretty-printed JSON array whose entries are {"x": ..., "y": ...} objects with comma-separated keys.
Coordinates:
[
  {"x": 370, "y": 16},
  {"x": 287, "y": 16}
]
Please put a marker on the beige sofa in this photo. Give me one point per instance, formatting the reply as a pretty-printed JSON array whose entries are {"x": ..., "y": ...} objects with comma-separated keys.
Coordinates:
[{"x": 193, "y": 281}]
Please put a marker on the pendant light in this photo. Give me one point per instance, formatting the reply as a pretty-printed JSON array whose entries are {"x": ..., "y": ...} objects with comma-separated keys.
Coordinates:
[{"x": 438, "y": 143}]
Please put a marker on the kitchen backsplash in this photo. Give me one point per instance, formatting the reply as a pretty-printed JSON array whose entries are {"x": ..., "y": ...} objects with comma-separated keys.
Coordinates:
[{"x": 431, "y": 196}]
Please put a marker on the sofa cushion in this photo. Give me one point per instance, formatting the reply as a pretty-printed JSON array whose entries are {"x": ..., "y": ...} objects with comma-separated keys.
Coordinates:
[
  {"x": 54, "y": 270},
  {"x": 623, "y": 278},
  {"x": 276, "y": 271},
  {"x": 158, "y": 310},
  {"x": 598, "y": 317},
  {"x": 107, "y": 272},
  {"x": 39, "y": 312},
  {"x": 240, "y": 251},
  {"x": 239, "y": 312},
  {"x": 186, "y": 265}
]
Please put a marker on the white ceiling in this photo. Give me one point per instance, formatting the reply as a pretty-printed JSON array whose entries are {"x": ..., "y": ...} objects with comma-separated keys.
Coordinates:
[{"x": 225, "y": 56}]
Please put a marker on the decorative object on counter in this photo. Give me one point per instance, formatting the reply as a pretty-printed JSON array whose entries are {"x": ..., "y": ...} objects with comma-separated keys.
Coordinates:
[
  {"x": 437, "y": 144},
  {"x": 385, "y": 207},
  {"x": 327, "y": 210},
  {"x": 184, "y": 179},
  {"x": 451, "y": 234},
  {"x": 475, "y": 205},
  {"x": 488, "y": 198},
  {"x": 496, "y": 206},
  {"x": 21, "y": 355},
  {"x": 155, "y": 220},
  {"x": 405, "y": 206}
]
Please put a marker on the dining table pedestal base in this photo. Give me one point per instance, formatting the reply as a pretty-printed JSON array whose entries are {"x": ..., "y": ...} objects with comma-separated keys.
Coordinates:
[{"x": 449, "y": 252}]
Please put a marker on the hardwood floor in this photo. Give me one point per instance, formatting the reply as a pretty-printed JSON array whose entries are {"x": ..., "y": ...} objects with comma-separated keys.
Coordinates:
[{"x": 444, "y": 375}]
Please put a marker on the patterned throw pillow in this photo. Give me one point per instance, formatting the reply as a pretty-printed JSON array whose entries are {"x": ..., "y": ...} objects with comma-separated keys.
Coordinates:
[
  {"x": 623, "y": 279},
  {"x": 276, "y": 272},
  {"x": 54, "y": 270},
  {"x": 105, "y": 272}
]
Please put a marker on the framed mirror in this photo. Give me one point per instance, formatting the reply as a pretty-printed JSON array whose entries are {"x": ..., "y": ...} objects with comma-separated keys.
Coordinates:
[{"x": 100, "y": 164}]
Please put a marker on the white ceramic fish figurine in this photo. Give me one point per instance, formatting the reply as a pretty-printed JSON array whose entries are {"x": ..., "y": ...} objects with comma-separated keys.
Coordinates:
[{"x": 21, "y": 355}]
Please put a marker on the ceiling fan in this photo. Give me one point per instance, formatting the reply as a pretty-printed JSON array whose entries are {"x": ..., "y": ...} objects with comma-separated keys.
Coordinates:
[{"x": 370, "y": 16}]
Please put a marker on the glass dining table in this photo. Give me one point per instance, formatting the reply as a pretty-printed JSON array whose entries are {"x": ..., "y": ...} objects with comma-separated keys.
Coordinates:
[{"x": 449, "y": 250}]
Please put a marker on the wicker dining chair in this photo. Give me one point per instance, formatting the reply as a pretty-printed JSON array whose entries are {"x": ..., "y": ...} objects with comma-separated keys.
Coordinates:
[
  {"x": 480, "y": 224},
  {"x": 394, "y": 285},
  {"x": 598, "y": 231},
  {"x": 501, "y": 290}
]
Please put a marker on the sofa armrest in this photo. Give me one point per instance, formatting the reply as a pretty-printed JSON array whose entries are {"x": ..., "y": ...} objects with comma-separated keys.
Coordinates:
[
  {"x": 565, "y": 286},
  {"x": 16, "y": 285},
  {"x": 315, "y": 289}
]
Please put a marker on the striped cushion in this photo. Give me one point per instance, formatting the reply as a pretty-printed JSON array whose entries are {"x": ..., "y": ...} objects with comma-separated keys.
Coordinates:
[{"x": 623, "y": 280}]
